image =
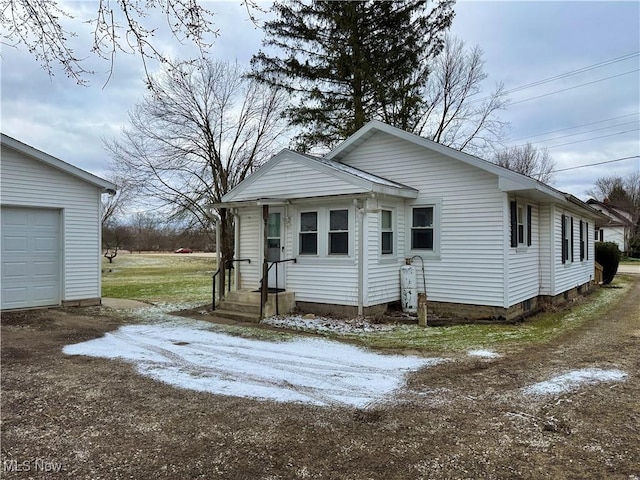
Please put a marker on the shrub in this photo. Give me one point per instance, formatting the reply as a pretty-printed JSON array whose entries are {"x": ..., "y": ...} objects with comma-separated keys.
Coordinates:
[{"x": 608, "y": 255}]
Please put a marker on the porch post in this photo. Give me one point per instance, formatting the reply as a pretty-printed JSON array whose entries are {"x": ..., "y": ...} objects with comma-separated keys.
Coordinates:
[
  {"x": 223, "y": 259},
  {"x": 265, "y": 263}
]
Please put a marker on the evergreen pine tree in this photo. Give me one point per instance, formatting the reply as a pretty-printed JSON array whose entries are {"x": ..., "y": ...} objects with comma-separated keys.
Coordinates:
[{"x": 350, "y": 62}]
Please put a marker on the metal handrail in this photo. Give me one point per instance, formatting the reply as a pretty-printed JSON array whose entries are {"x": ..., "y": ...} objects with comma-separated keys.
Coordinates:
[
  {"x": 229, "y": 266},
  {"x": 213, "y": 295},
  {"x": 267, "y": 275}
]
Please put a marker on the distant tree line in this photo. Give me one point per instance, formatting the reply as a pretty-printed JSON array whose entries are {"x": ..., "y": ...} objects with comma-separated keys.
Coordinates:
[{"x": 149, "y": 233}]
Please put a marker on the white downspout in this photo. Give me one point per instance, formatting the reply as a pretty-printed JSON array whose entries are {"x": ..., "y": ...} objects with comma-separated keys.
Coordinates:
[
  {"x": 218, "y": 253},
  {"x": 236, "y": 246},
  {"x": 361, "y": 213}
]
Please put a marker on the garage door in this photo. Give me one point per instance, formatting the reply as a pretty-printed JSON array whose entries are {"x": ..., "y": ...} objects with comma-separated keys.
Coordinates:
[{"x": 30, "y": 258}]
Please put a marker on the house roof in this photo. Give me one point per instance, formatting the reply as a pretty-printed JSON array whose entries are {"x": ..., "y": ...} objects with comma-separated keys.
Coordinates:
[
  {"x": 10, "y": 142},
  {"x": 362, "y": 182},
  {"x": 616, "y": 216},
  {"x": 508, "y": 180}
]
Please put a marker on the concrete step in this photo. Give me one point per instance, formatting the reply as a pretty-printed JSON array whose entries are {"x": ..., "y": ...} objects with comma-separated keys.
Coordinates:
[
  {"x": 253, "y": 308},
  {"x": 238, "y": 316}
]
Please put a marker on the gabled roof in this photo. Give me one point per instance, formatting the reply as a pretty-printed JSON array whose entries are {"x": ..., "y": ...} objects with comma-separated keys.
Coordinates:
[
  {"x": 361, "y": 181},
  {"x": 615, "y": 215},
  {"x": 509, "y": 181},
  {"x": 56, "y": 163}
]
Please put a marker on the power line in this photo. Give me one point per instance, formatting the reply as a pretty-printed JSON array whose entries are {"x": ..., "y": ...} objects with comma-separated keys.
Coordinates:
[
  {"x": 593, "y": 164},
  {"x": 576, "y": 126},
  {"x": 593, "y": 138},
  {"x": 587, "y": 131},
  {"x": 574, "y": 87},
  {"x": 564, "y": 75}
]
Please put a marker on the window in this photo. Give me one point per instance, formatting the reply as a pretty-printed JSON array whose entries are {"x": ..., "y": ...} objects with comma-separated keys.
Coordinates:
[
  {"x": 422, "y": 228},
  {"x": 582, "y": 240},
  {"x": 338, "y": 232},
  {"x": 521, "y": 224},
  {"x": 309, "y": 233},
  {"x": 386, "y": 223},
  {"x": 567, "y": 238}
]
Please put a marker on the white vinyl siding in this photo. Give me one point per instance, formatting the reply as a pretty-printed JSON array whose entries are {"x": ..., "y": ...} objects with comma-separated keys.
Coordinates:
[
  {"x": 470, "y": 265},
  {"x": 524, "y": 267},
  {"x": 250, "y": 243},
  {"x": 291, "y": 179},
  {"x": 570, "y": 274},
  {"x": 546, "y": 244},
  {"x": 30, "y": 183},
  {"x": 615, "y": 235}
]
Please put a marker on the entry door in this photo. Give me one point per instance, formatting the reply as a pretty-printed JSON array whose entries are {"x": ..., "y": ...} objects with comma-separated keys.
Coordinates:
[{"x": 275, "y": 247}]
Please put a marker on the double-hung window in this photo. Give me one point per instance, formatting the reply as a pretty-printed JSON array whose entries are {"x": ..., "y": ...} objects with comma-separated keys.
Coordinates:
[
  {"x": 309, "y": 233},
  {"x": 521, "y": 224},
  {"x": 567, "y": 238},
  {"x": 386, "y": 224},
  {"x": 422, "y": 228},
  {"x": 339, "y": 232}
]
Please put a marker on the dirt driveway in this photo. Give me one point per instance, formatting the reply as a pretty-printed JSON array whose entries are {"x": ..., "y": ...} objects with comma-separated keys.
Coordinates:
[{"x": 86, "y": 417}]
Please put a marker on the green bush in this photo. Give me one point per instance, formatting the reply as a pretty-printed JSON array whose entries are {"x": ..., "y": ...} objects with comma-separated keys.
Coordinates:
[{"x": 608, "y": 255}]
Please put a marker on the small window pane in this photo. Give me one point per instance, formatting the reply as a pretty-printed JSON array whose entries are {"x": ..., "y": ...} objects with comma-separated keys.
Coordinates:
[
  {"x": 308, "y": 243},
  {"x": 387, "y": 243},
  {"x": 423, "y": 217},
  {"x": 422, "y": 239},
  {"x": 386, "y": 219},
  {"x": 339, "y": 220},
  {"x": 273, "y": 225},
  {"x": 339, "y": 243},
  {"x": 309, "y": 222}
]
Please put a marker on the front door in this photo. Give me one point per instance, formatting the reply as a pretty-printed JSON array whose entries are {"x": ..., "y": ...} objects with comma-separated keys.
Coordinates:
[{"x": 275, "y": 248}]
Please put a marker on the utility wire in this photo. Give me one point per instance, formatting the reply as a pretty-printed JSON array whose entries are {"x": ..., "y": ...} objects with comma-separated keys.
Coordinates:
[
  {"x": 565, "y": 75},
  {"x": 576, "y": 126},
  {"x": 574, "y": 87},
  {"x": 585, "y": 132},
  {"x": 593, "y": 138},
  {"x": 593, "y": 164}
]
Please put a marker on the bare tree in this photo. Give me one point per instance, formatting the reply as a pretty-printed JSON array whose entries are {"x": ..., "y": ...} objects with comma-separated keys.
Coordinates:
[
  {"x": 200, "y": 131},
  {"x": 528, "y": 160},
  {"x": 622, "y": 192},
  {"x": 119, "y": 26},
  {"x": 451, "y": 115}
]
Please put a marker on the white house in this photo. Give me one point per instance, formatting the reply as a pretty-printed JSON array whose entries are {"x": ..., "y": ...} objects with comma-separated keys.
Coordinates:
[
  {"x": 617, "y": 228},
  {"x": 50, "y": 230},
  {"x": 493, "y": 242}
]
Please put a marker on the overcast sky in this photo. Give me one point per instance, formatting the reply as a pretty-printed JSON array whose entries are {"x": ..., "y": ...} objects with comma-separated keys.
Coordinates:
[{"x": 592, "y": 116}]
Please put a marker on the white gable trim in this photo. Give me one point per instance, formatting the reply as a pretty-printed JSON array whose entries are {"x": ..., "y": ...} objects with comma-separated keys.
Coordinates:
[
  {"x": 366, "y": 183},
  {"x": 54, "y": 162}
]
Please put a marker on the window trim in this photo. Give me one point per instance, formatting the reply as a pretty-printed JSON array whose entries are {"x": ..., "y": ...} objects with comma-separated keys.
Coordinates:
[
  {"x": 329, "y": 232},
  {"x": 521, "y": 215},
  {"x": 308, "y": 232},
  {"x": 436, "y": 204},
  {"x": 322, "y": 255},
  {"x": 391, "y": 229}
]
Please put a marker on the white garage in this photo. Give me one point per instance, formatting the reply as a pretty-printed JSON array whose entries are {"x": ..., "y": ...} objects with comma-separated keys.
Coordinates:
[{"x": 50, "y": 230}]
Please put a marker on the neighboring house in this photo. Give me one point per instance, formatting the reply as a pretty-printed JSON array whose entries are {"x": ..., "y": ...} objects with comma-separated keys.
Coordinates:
[
  {"x": 50, "y": 230},
  {"x": 617, "y": 227},
  {"x": 494, "y": 242}
]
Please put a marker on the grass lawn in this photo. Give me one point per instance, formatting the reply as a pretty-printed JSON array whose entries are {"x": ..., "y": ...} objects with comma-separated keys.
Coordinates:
[
  {"x": 172, "y": 278},
  {"x": 159, "y": 277}
]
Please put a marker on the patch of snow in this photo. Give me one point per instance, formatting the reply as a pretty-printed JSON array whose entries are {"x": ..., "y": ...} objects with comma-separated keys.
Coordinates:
[
  {"x": 572, "y": 380},
  {"x": 323, "y": 324},
  {"x": 483, "y": 354},
  {"x": 187, "y": 354}
]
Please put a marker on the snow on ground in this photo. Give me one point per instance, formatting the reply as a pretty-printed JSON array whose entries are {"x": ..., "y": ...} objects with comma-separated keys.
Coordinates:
[
  {"x": 187, "y": 354},
  {"x": 324, "y": 324},
  {"x": 572, "y": 380},
  {"x": 483, "y": 354}
]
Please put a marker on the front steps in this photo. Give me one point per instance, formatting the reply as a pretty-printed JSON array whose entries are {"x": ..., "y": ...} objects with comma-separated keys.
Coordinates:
[{"x": 244, "y": 305}]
